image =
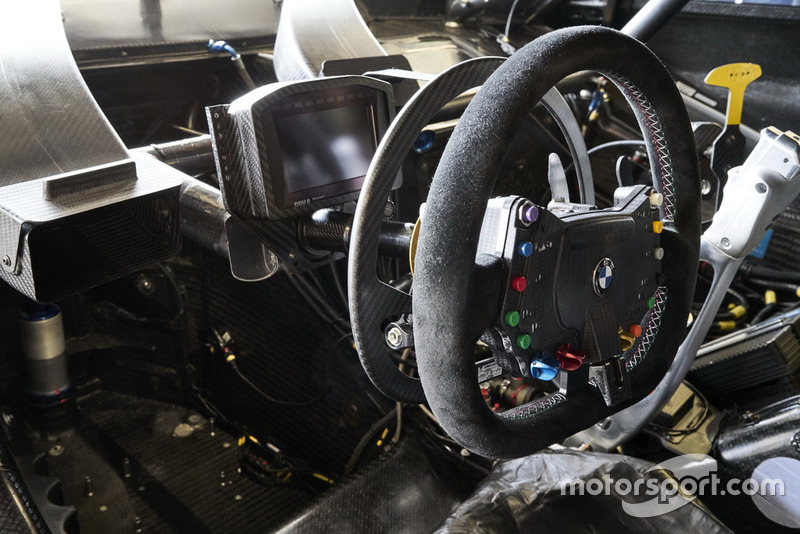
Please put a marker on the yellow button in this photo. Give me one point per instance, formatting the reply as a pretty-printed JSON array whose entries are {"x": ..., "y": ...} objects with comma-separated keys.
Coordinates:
[{"x": 658, "y": 227}]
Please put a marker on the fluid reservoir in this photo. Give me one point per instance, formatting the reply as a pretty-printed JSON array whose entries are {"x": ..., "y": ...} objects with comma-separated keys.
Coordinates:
[{"x": 42, "y": 336}]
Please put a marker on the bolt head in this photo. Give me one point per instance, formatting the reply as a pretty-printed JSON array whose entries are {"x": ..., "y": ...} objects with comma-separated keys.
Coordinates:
[{"x": 394, "y": 337}]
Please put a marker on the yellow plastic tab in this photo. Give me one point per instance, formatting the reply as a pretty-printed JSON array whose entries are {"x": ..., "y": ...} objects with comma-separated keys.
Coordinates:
[
  {"x": 739, "y": 311},
  {"x": 658, "y": 227},
  {"x": 735, "y": 77},
  {"x": 726, "y": 325},
  {"x": 770, "y": 297}
]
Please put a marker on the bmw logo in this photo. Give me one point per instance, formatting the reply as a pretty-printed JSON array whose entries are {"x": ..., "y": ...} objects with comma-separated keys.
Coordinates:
[{"x": 603, "y": 275}]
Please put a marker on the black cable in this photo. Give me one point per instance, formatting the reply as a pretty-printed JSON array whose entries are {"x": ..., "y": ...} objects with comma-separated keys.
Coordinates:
[
  {"x": 320, "y": 306},
  {"x": 381, "y": 423},
  {"x": 616, "y": 144},
  {"x": 766, "y": 273},
  {"x": 339, "y": 286},
  {"x": 787, "y": 287},
  {"x": 510, "y": 16},
  {"x": 724, "y": 314},
  {"x": 539, "y": 10},
  {"x": 611, "y": 144},
  {"x": 282, "y": 402},
  {"x": 764, "y": 313},
  {"x": 269, "y": 397}
]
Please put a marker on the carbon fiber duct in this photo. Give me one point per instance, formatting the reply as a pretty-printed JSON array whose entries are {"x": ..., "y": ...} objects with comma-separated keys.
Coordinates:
[
  {"x": 75, "y": 209},
  {"x": 50, "y": 123},
  {"x": 313, "y": 31}
]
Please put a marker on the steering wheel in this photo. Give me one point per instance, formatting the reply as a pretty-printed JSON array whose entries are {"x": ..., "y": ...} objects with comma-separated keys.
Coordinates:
[{"x": 572, "y": 276}]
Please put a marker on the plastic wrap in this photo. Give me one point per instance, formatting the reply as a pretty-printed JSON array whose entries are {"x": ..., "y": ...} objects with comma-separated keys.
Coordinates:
[{"x": 525, "y": 495}]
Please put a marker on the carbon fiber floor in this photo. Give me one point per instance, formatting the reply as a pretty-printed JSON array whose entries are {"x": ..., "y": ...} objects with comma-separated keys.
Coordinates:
[{"x": 178, "y": 477}]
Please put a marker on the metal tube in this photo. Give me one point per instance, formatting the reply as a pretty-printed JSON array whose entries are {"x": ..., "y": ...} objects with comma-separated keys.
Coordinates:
[
  {"x": 203, "y": 216},
  {"x": 193, "y": 155},
  {"x": 651, "y": 17},
  {"x": 330, "y": 230}
]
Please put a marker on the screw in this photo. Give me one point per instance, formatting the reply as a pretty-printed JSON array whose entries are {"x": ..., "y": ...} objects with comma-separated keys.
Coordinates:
[
  {"x": 725, "y": 242},
  {"x": 7, "y": 261},
  {"x": 389, "y": 210},
  {"x": 56, "y": 450},
  {"x": 145, "y": 285}
]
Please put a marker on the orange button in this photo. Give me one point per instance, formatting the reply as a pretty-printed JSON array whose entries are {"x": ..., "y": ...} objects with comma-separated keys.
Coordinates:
[{"x": 635, "y": 330}]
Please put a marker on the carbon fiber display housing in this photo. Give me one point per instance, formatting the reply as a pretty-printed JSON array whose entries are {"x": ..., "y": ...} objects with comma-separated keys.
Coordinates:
[{"x": 340, "y": 121}]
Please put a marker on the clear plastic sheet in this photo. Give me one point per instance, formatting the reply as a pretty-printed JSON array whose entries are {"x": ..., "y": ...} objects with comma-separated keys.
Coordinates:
[{"x": 525, "y": 495}]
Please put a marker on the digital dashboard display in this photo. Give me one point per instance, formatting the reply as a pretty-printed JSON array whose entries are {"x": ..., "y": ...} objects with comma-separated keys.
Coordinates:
[
  {"x": 326, "y": 144},
  {"x": 301, "y": 146}
]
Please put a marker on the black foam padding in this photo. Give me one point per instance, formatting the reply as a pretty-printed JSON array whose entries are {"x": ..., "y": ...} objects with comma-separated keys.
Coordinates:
[{"x": 457, "y": 200}]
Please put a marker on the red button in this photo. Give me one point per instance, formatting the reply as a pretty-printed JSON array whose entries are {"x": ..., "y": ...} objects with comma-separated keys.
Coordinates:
[
  {"x": 635, "y": 330},
  {"x": 518, "y": 283}
]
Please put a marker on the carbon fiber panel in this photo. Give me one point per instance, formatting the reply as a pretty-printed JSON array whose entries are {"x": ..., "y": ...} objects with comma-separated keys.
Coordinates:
[
  {"x": 285, "y": 348},
  {"x": 312, "y": 32},
  {"x": 18, "y": 512},
  {"x": 410, "y": 491},
  {"x": 101, "y": 233}
]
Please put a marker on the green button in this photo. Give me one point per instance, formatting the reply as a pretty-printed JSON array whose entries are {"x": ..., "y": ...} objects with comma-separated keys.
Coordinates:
[
  {"x": 651, "y": 303},
  {"x": 524, "y": 341},
  {"x": 511, "y": 318}
]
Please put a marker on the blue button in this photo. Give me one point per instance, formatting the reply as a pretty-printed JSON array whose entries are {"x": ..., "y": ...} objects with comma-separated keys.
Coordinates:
[
  {"x": 543, "y": 370},
  {"x": 424, "y": 141},
  {"x": 525, "y": 249}
]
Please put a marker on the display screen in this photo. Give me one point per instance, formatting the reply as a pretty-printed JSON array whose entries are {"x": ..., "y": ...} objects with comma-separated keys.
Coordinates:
[{"x": 327, "y": 142}]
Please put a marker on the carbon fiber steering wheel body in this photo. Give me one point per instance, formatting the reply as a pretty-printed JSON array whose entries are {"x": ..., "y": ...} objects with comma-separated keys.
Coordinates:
[{"x": 453, "y": 283}]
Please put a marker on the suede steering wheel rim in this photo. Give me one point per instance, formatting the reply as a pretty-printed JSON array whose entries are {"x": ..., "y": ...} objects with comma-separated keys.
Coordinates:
[{"x": 446, "y": 283}]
